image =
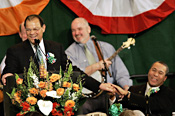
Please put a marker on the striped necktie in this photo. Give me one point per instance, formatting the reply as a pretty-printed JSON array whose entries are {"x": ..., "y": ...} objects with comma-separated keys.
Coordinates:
[{"x": 39, "y": 55}]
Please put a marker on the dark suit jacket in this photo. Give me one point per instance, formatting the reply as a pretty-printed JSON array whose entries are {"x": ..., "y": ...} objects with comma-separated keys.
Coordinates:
[
  {"x": 18, "y": 57},
  {"x": 161, "y": 103}
]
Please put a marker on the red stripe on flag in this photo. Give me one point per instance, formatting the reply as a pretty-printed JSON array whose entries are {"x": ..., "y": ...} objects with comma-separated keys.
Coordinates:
[{"x": 123, "y": 25}]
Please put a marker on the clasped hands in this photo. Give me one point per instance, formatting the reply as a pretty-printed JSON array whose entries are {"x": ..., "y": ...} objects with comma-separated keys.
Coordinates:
[{"x": 113, "y": 89}]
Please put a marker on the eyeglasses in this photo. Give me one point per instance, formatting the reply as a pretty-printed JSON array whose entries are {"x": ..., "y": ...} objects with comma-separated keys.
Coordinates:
[{"x": 35, "y": 29}]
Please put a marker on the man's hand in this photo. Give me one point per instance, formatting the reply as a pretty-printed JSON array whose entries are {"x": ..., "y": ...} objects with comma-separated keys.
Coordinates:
[
  {"x": 97, "y": 66},
  {"x": 112, "y": 97},
  {"x": 108, "y": 87},
  {"x": 101, "y": 64},
  {"x": 126, "y": 87},
  {"x": 120, "y": 91},
  {"x": 5, "y": 76}
]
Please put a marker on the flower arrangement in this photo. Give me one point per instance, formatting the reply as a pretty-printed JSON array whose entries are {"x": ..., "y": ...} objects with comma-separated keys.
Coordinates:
[{"x": 51, "y": 94}]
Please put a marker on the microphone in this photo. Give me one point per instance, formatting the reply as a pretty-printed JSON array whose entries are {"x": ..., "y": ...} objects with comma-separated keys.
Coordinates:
[
  {"x": 93, "y": 37},
  {"x": 37, "y": 41}
]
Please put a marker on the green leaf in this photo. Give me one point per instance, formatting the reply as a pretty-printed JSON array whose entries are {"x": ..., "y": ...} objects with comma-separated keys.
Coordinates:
[
  {"x": 32, "y": 108},
  {"x": 9, "y": 95}
]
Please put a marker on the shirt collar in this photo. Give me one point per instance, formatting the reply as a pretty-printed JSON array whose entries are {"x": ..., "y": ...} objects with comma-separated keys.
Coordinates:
[
  {"x": 41, "y": 45},
  {"x": 148, "y": 86}
]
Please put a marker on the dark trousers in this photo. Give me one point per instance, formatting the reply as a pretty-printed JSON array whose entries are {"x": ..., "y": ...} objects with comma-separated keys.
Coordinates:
[
  {"x": 98, "y": 104},
  {"x": 1, "y": 109}
]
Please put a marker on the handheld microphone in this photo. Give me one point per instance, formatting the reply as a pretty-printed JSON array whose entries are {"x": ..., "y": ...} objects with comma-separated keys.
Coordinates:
[
  {"x": 93, "y": 37},
  {"x": 38, "y": 49},
  {"x": 37, "y": 41}
]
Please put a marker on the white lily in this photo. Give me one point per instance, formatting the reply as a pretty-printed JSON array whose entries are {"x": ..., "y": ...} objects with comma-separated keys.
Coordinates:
[
  {"x": 35, "y": 79},
  {"x": 74, "y": 96},
  {"x": 45, "y": 106},
  {"x": 52, "y": 94}
]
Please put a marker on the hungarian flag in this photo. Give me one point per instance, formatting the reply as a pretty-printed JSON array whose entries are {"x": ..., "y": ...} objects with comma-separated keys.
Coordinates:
[
  {"x": 122, "y": 16},
  {"x": 14, "y": 12}
]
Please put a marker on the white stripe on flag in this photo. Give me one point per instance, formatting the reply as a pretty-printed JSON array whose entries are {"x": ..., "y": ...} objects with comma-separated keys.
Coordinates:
[{"x": 9, "y": 3}]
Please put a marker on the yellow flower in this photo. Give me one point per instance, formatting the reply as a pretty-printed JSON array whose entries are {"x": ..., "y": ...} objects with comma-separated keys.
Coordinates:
[
  {"x": 60, "y": 91},
  {"x": 70, "y": 103},
  {"x": 43, "y": 71},
  {"x": 49, "y": 86},
  {"x": 76, "y": 87},
  {"x": 31, "y": 100},
  {"x": 66, "y": 84},
  {"x": 54, "y": 77},
  {"x": 43, "y": 93},
  {"x": 17, "y": 97},
  {"x": 42, "y": 84},
  {"x": 33, "y": 91}
]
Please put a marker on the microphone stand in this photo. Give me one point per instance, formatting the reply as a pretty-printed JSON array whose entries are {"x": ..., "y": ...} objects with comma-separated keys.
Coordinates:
[{"x": 37, "y": 41}]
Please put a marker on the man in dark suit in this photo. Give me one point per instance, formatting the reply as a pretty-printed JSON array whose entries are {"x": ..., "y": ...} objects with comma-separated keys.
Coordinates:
[
  {"x": 159, "y": 102},
  {"x": 18, "y": 56}
]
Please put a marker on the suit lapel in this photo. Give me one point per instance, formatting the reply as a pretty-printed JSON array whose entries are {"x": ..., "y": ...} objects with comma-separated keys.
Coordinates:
[
  {"x": 30, "y": 53},
  {"x": 138, "y": 89},
  {"x": 142, "y": 90},
  {"x": 47, "y": 49},
  {"x": 28, "y": 48}
]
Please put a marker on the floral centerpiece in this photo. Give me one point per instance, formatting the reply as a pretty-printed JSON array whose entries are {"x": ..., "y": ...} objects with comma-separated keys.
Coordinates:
[{"x": 50, "y": 94}]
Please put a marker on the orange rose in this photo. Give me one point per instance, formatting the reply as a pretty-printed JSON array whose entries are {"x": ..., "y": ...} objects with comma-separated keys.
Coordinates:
[
  {"x": 19, "y": 81},
  {"x": 42, "y": 84},
  {"x": 70, "y": 103},
  {"x": 60, "y": 91},
  {"x": 76, "y": 87},
  {"x": 43, "y": 93},
  {"x": 33, "y": 91},
  {"x": 31, "y": 100},
  {"x": 54, "y": 77},
  {"x": 66, "y": 84}
]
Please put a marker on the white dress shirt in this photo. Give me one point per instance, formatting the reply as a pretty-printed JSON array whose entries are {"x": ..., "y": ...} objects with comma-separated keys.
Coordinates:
[{"x": 42, "y": 48}]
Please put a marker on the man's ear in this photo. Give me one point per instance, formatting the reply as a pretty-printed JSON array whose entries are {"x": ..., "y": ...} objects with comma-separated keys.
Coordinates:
[
  {"x": 43, "y": 28},
  {"x": 165, "y": 78},
  {"x": 89, "y": 29}
]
